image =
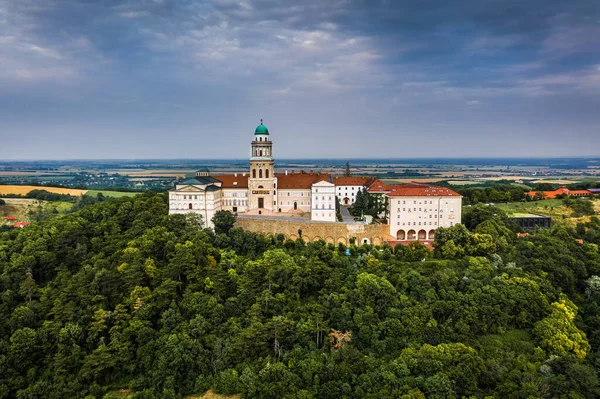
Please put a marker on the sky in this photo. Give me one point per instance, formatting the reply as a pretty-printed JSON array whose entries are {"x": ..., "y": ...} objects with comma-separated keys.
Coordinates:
[{"x": 331, "y": 78}]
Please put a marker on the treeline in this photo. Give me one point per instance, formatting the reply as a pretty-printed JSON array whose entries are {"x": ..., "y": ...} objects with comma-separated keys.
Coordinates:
[
  {"x": 44, "y": 195},
  {"x": 122, "y": 295},
  {"x": 497, "y": 193}
]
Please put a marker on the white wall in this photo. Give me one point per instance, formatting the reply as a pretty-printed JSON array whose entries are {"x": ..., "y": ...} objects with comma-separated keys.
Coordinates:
[
  {"x": 423, "y": 213},
  {"x": 347, "y": 191},
  {"x": 323, "y": 202}
]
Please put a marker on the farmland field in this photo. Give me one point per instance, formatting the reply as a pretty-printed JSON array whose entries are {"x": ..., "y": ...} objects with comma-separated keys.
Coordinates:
[{"x": 23, "y": 190}]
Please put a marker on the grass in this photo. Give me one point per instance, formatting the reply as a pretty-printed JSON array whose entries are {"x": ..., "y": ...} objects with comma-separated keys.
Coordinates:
[
  {"x": 23, "y": 190},
  {"x": 548, "y": 207},
  {"x": 20, "y": 207},
  {"x": 527, "y": 207},
  {"x": 113, "y": 194}
]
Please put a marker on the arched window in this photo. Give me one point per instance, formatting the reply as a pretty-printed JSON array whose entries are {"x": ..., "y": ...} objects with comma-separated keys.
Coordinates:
[
  {"x": 254, "y": 173},
  {"x": 190, "y": 206},
  {"x": 267, "y": 173},
  {"x": 260, "y": 153},
  {"x": 260, "y": 173}
]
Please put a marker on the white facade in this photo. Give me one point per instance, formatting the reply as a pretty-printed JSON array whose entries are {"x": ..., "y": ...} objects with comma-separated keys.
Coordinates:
[
  {"x": 293, "y": 199},
  {"x": 414, "y": 210},
  {"x": 347, "y": 194},
  {"x": 417, "y": 217},
  {"x": 323, "y": 201},
  {"x": 194, "y": 199}
]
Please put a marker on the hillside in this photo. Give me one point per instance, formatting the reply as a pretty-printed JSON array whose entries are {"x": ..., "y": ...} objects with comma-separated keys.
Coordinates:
[{"x": 119, "y": 298}]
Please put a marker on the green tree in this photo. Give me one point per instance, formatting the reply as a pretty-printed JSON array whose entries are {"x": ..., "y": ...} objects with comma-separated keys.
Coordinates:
[{"x": 223, "y": 221}]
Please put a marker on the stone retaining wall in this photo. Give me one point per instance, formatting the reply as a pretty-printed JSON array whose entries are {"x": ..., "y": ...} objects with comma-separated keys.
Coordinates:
[{"x": 313, "y": 231}]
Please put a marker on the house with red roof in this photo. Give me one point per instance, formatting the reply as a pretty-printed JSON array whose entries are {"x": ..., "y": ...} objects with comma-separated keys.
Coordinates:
[
  {"x": 416, "y": 210},
  {"x": 557, "y": 192}
]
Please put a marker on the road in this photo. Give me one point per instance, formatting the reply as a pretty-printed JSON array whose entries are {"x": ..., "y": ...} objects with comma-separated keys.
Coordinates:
[{"x": 346, "y": 214}]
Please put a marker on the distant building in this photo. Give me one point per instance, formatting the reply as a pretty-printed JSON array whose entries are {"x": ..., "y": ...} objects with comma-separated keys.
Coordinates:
[
  {"x": 559, "y": 191},
  {"x": 528, "y": 221},
  {"x": 20, "y": 224}
]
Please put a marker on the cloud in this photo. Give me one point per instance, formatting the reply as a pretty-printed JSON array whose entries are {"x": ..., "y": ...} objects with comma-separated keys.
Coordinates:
[{"x": 397, "y": 61}]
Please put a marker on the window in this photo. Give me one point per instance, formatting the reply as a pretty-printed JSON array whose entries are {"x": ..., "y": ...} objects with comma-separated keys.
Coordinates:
[
  {"x": 267, "y": 173},
  {"x": 260, "y": 173},
  {"x": 254, "y": 173}
]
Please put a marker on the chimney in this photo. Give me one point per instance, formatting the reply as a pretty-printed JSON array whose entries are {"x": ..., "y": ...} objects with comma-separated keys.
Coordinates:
[
  {"x": 244, "y": 174},
  {"x": 292, "y": 171},
  {"x": 286, "y": 172},
  {"x": 235, "y": 174},
  {"x": 311, "y": 171}
]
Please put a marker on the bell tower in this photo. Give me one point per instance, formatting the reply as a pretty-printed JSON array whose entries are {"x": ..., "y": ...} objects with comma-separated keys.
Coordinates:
[{"x": 262, "y": 184}]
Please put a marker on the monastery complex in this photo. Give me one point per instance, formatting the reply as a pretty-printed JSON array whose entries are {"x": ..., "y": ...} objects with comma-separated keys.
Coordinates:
[{"x": 414, "y": 211}]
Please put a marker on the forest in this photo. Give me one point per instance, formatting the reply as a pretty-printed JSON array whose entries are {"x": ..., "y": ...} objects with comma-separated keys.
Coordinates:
[{"x": 121, "y": 295}]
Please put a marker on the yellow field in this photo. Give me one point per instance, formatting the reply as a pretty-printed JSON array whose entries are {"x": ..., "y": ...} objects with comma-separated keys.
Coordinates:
[{"x": 23, "y": 190}]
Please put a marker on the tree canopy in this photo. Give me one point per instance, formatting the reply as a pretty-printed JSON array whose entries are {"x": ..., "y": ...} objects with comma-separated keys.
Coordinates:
[{"x": 122, "y": 296}]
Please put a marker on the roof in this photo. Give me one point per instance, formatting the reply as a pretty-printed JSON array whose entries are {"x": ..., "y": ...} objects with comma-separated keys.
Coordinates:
[
  {"x": 11, "y": 218},
  {"x": 233, "y": 181},
  {"x": 559, "y": 191},
  {"x": 352, "y": 181},
  {"x": 420, "y": 190},
  {"x": 200, "y": 180},
  {"x": 261, "y": 129},
  {"x": 299, "y": 180},
  {"x": 20, "y": 224},
  {"x": 377, "y": 186}
]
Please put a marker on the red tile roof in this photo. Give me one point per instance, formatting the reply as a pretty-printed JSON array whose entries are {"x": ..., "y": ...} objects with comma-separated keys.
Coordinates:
[
  {"x": 9, "y": 218},
  {"x": 20, "y": 224},
  {"x": 300, "y": 180},
  {"x": 377, "y": 186},
  {"x": 420, "y": 189},
  {"x": 352, "y": 181},
  {"x": 232, "y": 181},
  {"x": 559, "y": 191}
]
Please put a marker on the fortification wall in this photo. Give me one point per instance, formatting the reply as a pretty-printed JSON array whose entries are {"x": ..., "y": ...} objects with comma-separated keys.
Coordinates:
[{"x": 313, "y": 231}]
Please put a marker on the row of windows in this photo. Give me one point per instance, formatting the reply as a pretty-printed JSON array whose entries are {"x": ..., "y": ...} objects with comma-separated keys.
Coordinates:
[
  {"x": 323, "y": 206},
  {"x": 419, "y": 224},
  {"x": 260, "y": 173},
  {"x": 236, "y": 202},
  {"x": 301, "y": 203},
  {"x": 424, "y": 210},
  {"x": 415, "y": 202},
  {"x": 259, "y": 153}
]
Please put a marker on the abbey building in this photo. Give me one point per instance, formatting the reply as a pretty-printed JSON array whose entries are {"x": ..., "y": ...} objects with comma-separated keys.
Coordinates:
[
  {"x": 260, "y": 191},
  {"x": 414, "y": 211}
]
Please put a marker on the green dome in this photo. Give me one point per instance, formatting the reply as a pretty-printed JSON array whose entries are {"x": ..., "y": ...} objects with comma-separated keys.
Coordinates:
[{"x": 261, "y": 129}]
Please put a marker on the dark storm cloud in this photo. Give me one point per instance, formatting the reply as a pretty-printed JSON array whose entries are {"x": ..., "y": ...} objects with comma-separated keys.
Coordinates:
[{"x": 135, "y": 78}]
